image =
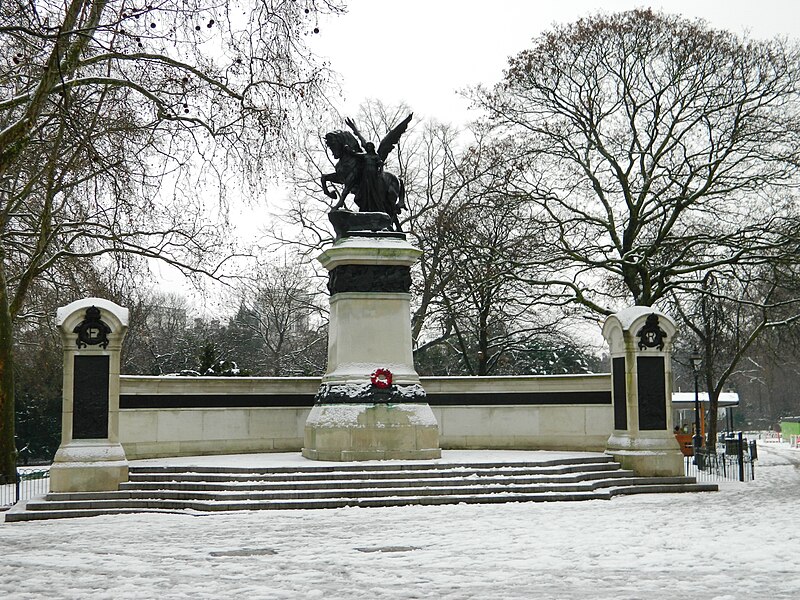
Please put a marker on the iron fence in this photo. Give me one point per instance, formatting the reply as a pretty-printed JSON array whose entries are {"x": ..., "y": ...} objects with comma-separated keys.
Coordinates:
[
  {"x": 31, "y": 482},
  {"x": 733, "y": 459}
]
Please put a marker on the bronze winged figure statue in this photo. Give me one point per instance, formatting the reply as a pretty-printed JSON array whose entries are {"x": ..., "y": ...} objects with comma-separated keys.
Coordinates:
[{"x": 360, "y": 171}]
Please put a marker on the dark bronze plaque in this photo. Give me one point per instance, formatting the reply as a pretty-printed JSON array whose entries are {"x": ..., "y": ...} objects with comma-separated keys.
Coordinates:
[
  {"x": 652, "y": 393},
  {"x": 620, "y": 393},
  {"x": 651, "y": 335},
  {"x": 90, "y": 398},
  {"x": 369, "y": 278},
  {"x": 92, "y": 331}
]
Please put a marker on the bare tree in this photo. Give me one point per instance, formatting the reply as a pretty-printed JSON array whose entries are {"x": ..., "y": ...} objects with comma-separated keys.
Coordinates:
[
  {"x": 157, "y": 342},
  {"x": 279, "y": 312},
  {"x": 469, "y": 296},
  {"x": 769, "y": 379},
  {"x": 734, "y": 308},
  {"x": 653, "y": 149},
  {"x": 659, "y": 158},
  {"x": 107, "y": 107},
  {"x": 441, "y": 178}
]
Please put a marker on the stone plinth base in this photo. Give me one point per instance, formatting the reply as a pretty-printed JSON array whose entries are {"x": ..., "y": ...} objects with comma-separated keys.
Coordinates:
[
  {"x": 88, "y": 466},
  {"x": 352, "y": 432},
  {"x": 657, "y": 455}
]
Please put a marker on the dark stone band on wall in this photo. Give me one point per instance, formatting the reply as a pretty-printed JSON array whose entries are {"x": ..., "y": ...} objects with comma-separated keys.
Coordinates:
[
  {"x": 153, "y": 401},
  {"x": 519, "y": 398},
  {"x": 369, "y": 278}
]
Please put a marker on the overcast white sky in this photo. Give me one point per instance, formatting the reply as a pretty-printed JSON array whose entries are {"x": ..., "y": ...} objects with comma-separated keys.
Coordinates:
[{"x": 423, "y": 51}]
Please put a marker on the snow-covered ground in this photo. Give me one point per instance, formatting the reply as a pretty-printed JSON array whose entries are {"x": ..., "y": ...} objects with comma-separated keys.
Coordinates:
[{"x": 740, "y": 543}]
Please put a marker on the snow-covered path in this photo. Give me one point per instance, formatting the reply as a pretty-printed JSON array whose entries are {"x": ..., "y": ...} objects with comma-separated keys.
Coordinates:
[{"x": 743, "y": 542}]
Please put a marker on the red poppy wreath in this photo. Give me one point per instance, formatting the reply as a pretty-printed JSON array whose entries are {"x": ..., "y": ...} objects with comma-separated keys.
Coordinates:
[{"x": 381, "y": 378}]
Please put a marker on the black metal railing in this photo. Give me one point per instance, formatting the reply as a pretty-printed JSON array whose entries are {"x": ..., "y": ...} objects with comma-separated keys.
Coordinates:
[
  {"x": 31, "y": 482},
  {"x": 733, "y": 459}
]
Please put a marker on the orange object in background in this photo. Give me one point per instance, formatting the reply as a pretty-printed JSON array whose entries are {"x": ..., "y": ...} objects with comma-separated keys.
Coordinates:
[{"x": 685, "y": 442}]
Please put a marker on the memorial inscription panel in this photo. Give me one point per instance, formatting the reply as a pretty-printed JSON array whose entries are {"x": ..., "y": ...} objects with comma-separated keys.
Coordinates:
[
  {"x": 90, "y": 397},
  {"x": 620, "y": 393},
  {"x": 652, "y": 393}
]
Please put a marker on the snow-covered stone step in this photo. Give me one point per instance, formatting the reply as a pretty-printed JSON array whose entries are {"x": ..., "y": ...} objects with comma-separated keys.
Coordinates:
[
  {"x": 258, "y": 485},
  {"x": 63, "y": 501},
  {"x": 191, "y": 474},
  {"x": 181, "y": 489},
  {"x": 384, "y": 501},
  {"x": 292, "y": 504},
  {"x": 178, "y": 500},
  {"x": 376, "y": 489},
  {"x": 373, "y": 466},
  {"x": 367, "y": 489},
  {"x": 13, "y": 516},
  {"x": 662, "y": 488}
]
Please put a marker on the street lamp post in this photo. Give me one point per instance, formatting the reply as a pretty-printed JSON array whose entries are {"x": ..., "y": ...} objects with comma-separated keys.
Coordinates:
[{"x": 697, "y": 439}]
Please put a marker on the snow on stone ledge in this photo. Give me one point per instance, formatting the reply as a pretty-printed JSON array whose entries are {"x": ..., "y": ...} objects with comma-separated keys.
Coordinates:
[{"x": 627, "y": 316}]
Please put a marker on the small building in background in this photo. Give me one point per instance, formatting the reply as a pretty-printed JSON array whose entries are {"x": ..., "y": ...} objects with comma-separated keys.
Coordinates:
[{"x": 683, "y": 415}]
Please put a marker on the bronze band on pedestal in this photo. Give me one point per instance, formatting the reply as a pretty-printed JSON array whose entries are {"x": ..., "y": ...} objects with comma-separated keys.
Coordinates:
[{"x": 370, "y": 278}]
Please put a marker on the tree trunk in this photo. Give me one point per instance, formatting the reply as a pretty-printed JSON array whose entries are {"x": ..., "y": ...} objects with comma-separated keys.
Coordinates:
[
  {"x": 8, "y": 447},
  {"x": 713, "y": 409},
  {"x": 483, "y": 338}
]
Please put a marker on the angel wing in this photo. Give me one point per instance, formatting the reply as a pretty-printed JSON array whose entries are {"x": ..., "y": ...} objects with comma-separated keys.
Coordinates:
[
  {"x": 390, "y": 141},
  {"x": 351, "y": 124}
]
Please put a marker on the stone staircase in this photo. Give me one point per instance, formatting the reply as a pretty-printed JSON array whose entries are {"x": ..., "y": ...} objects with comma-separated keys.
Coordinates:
[{"x": 211, "y": 489}]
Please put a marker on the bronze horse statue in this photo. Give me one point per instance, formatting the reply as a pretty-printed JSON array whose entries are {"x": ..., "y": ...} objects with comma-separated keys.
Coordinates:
[{"x": 360, "y": 171}]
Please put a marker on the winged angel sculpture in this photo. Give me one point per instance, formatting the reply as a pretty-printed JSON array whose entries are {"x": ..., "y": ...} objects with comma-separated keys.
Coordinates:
[{"x": 359, "y": 170}]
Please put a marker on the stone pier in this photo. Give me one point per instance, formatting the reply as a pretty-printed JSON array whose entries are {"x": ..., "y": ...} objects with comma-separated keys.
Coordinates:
[
  {"x": 90, "y": 457},
  {"x": 641, "y": 338},
  {"x": 370, "y": 404}
]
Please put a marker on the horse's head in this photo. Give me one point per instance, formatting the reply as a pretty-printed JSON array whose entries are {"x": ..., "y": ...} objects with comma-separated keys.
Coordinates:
[{"x": 338, "y": 140}]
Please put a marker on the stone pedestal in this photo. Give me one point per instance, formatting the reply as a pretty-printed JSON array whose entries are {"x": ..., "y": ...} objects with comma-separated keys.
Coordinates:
[
  {"x": 641, "y": 341},
  {"x": 370, "y": 404},
  {"x": 90, "y": 457},
  {"x": 371, "y": 431}
]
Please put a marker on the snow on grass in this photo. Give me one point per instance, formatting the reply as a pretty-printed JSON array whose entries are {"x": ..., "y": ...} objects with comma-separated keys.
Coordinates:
[{"x": 739, "y": 543}]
